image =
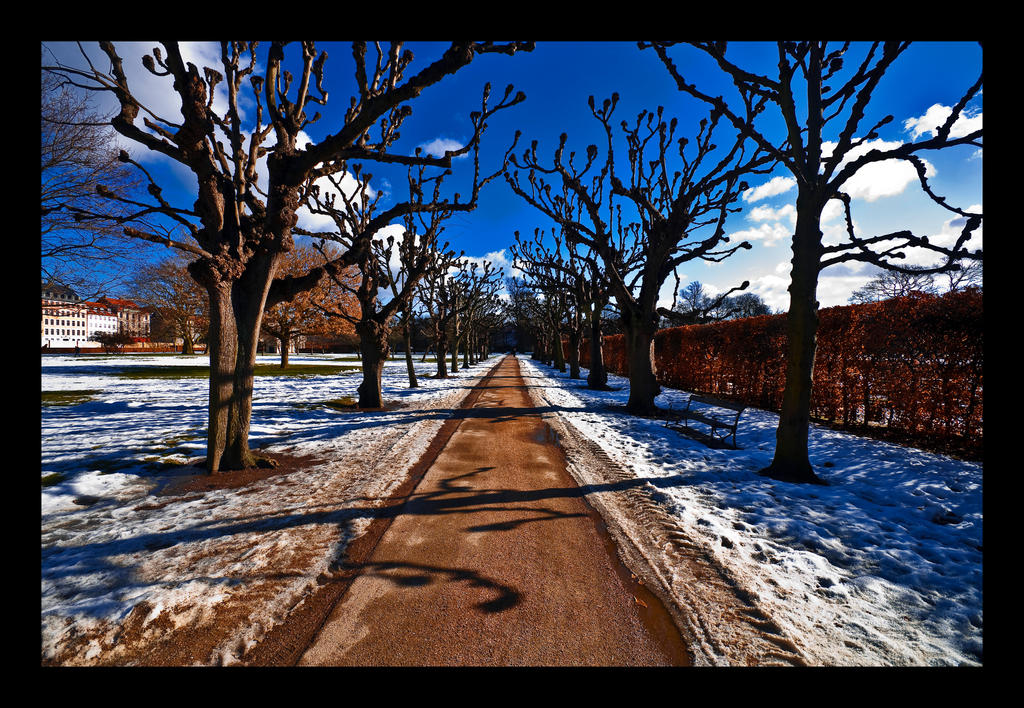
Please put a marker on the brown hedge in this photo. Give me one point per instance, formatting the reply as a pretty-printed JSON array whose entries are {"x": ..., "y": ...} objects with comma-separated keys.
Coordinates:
[{"x": 911, "y": 366}]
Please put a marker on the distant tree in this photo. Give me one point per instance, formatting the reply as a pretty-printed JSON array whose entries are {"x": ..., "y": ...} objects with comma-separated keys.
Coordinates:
[
  {"x": 748, "y": 305},
  {"x": 81, "y": 245},
  {"x": 179, "y": 302},
  {"x": 896, "y": 283},
  {"x": 680, "y": 196},
  {"x": 695, "y": 306},
  {"x": 112, "y": 341},
  {"x": 448, "y": 289},
  {"x": 519, "y": 311},
  {"x": 812, "y": 81},
  {"x": 303, "y": 315},
  {"x": 475, "y": 285},
  {"x": 569, "y": 273},
  {"x": 969, "y": 275}
]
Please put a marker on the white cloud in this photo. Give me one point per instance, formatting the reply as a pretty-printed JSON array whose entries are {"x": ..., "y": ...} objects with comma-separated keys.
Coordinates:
[
  {"x": 766, "y": 213},
  {"x": 833, "y": 209},
  {"x": 836, "y": 289},
  {"x": 497, "y": 259},
  {"x": 936, "y": 116},
  {"x": 438, "y": 146},
  {"x": 877, "y": 179},
  {"x": 667, "y": 291},
  {"x": 946, "y": 236},
  {"x": 832, "y": 290},
  {"x": 769, "y": 234},
  {"x": 773, "y": 288},
  {"x": 774, "y": 186}
]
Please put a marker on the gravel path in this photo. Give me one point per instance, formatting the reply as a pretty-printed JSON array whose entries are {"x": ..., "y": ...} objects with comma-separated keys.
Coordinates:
[{"x": 496, "y": 558}]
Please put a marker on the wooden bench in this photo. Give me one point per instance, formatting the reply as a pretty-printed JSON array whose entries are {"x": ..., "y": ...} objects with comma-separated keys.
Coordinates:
[{"x": 716, "y": 419}]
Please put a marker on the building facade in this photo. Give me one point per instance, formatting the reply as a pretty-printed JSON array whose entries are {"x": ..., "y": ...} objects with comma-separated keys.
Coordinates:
[
  {"x": 68, "y": 321},
  {"x": 64, "y": 321},
  {"x": 131, "y": 318},
  {"x": 99, "y": 318}
]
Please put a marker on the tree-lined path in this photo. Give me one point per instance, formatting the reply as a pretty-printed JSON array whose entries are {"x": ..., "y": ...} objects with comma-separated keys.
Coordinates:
[{"x": 496, "y": 559}]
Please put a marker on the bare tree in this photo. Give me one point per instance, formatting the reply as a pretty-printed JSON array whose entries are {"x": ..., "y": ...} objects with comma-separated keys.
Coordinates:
[
  {"x": 474, "y": 284},
  {"x": 695, "y": 306},
  {"x": 289, "y": 320},
  {"x": 680, "y": 215},
  {"x": 518, "y": 311},
  {"x": 811, "y": 80},
  {"x": 448, "y": 290},
  {"x": 969, "y": 275},
  {"x": 564, "y": 270},
  {"x": 417, "y": 253},
  {"x": 896, "y": 283},
  {"x": 240, "y": 230},
  {"x": 178, "y": 301},
  {"x": 81, "y": 247}
]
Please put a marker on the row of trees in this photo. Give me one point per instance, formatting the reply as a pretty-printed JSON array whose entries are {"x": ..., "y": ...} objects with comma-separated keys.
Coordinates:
[
  {"x": 454, "y": 307},
  {"x": 241, "y": 224},
  {"x": 621, "y": 227},
  {"x": 630, "y": 229}
]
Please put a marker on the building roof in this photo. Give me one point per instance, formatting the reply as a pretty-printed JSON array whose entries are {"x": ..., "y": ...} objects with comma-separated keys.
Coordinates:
[
  {"x": 60, "y": 291},
  {"x": 99, "y": 308},
  {"x": 120, "y": 303}
]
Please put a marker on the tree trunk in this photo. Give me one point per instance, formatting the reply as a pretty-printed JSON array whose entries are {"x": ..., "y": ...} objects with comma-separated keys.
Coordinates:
[
  {"x": 249, "y": 314},
  {"x": 791, "y": 462},
  {"x": 597, "y": 378},
  {"x": 574, "y": 353},
  {"x": 643, "y": 381},
  {"x": 286, "y": 343},
  {"x": 556, "y": 349},
  {"x": 236, "y": 311},
  {"x": 223, "y": 349},
  {"x": 407, "y": 337},
  {"x": 188, "y": 345},
  {"x": 441, "y": 351},
  {"x": 373, "y": 345}
]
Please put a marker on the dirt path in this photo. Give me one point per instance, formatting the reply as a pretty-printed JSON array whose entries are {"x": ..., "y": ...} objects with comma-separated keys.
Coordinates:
[{"x": 496, "y": 559}]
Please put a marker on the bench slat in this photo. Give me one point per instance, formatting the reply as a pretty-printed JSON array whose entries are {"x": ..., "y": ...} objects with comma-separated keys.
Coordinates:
[{"x": 719, "y": 402}]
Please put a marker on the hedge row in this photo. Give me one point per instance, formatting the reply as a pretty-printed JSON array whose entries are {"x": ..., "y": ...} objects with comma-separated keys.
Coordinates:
[{"x": 910, "y": 365}]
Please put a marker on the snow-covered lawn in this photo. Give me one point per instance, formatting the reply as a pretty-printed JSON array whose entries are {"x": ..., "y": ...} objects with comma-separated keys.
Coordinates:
[
  {"x": 238, "y": 558},
  {"x": 882, "y": 567}
]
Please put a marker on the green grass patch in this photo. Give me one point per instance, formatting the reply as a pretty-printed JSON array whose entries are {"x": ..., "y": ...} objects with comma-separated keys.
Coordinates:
[
  {"x": 68, "y": 398},
  {"x": 196, "y": 372},
  {"x": 51, "y": 479},
  {"x": 176, "y": 440},
  {"x": 344, "y": 403}
]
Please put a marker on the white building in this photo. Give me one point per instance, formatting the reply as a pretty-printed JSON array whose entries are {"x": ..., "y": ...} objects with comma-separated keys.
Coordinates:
[
  {"x": 63, "y": 318},
  {"x": 99, "y": 319},
  {"x": 68, "y": 321},
  {"x": 131, "y": 317}
]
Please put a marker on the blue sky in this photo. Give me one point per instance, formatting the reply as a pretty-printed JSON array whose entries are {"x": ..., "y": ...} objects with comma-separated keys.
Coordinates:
[{"x": 558, "y": 77}]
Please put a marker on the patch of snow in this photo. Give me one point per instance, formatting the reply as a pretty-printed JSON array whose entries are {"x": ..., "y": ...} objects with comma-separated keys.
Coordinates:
[
  {"x": 881, "y": 567},
  {"x": 109, "y": 544}
]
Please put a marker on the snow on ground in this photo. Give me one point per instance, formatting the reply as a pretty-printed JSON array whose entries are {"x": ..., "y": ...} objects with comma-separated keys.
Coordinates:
[
  {"x": 249, "y": 555},
  {"x": 883, "y": 567}
]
